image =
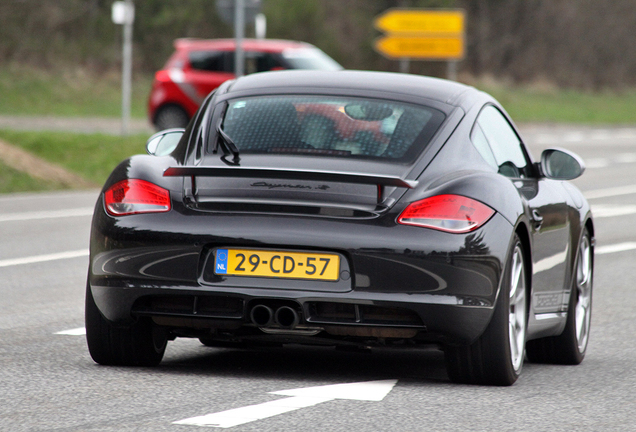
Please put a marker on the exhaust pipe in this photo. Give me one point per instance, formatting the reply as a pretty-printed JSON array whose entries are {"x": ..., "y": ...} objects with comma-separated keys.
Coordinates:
[
  {"x": 286, "y": 317},
  {"x": 262, "y": 315}
]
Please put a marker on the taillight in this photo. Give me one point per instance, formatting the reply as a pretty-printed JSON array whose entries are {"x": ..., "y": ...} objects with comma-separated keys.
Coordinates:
[
  {"x": 449, "y": 213},
  {"x": 136, "y": 196}
]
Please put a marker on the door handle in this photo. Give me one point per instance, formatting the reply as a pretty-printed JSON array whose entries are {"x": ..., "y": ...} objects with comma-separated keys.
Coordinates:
[{"x": 537, "y": 219}]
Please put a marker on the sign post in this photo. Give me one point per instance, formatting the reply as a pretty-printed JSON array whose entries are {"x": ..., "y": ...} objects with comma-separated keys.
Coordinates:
[
  {"x": 239, "y": 12},
  {"x": 421, "y": 34},
  {"x": 123, "y": 13},
  {"x": 239, "y": 33}
]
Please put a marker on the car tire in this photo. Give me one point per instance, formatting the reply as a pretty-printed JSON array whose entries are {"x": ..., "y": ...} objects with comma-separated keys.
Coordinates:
[
  {"x": 140, "y": 344},
  {"x": 171, "y": 116},
  {"x": 496, "y": 357},
  {"x": 570, "y": 346}
]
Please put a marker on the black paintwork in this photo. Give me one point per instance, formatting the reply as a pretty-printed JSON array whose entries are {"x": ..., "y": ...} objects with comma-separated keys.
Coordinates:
[{"x": 397, "y": 281}]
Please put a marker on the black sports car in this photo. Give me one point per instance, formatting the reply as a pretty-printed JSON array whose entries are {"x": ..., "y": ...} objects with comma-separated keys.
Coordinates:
[{"x": 345, "y": 209}]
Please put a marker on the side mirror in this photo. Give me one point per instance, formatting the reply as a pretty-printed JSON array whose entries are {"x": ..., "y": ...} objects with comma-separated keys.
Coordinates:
[
  {"x": 164, "y": 142},
  {"x": 561, "y": 164}
]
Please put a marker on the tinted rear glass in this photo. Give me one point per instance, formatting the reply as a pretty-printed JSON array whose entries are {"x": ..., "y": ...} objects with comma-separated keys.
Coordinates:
[{"x": 331, "y": 126}]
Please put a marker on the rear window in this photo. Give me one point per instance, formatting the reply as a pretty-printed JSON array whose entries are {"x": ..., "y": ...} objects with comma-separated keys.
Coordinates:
[{"x": 331, "y": 126}]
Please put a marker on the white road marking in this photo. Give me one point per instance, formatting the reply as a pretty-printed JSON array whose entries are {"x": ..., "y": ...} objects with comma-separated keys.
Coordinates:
[
  {"x": 626, "y": 134},
  {"x": 573, "y": 137},
  {"x": 43, "y": 258},
  {"x": 301, "y": 398},
  {"x": 597, "y": 163},
  {"x": 604, "y": 211},
  {"x": 51, "y": 214},
  {"x": 542, "y": 139},
  {"x": 620, "y": 247},
  {"x": 626, "y": 158},
  {"x": 610, "y": 192},
  {"x": 57, "y": 196},
  {"x": 601, "y": 135},
  {"x": 584, "y": 137},
  {"x": 80, "y": 331}
]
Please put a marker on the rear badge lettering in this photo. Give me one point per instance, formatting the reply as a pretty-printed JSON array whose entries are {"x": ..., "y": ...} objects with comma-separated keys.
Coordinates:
[{"x": 287, "y": 186}]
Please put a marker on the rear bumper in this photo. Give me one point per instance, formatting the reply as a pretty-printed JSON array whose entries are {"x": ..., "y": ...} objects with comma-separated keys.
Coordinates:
[
  {"x": 442, "y": 286},
  {"x": 433, "y": 317}
]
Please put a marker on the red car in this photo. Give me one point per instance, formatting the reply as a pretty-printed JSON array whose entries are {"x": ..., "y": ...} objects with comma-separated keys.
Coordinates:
[{"x": 199, "y": 66}]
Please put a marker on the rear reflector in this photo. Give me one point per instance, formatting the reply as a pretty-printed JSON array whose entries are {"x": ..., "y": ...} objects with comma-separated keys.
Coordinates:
[
  {"x": 449, "y": 213},
  {"x": 136, "y": 196}
]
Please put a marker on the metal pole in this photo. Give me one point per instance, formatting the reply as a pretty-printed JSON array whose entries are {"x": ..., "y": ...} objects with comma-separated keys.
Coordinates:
[
  {"x": 404, "y": 65},
  {"x": 239, "y": 34},
  {"x": 127, "y": 68},
  {"x": 451, "y": 70}
]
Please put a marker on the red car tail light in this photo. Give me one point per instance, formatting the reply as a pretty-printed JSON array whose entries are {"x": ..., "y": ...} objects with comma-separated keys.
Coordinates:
[
  {"x": 136, "y": 196},
  {"x": 449, "y": 213}
]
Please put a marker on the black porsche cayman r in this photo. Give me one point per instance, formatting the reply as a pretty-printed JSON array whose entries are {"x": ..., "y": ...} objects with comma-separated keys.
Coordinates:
[{"x": 345, "y": 209}]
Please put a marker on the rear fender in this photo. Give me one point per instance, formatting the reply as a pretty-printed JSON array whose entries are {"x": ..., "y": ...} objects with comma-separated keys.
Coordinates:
[
  {"x": 492, "y": 189},
  {"x": 149, "y": 168}
]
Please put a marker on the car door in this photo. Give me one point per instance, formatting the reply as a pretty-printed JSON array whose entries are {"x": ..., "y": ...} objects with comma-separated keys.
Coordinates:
[
  {"x": 209, "y": 69},
  {"x": 257, "y": 61},
  {"x": 499, "y": 144}
]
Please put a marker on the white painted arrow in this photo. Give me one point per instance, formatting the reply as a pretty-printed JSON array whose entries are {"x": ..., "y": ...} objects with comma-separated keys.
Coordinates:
[
  {"x": 80, "y": 331},
  {"x": 301, "y": 398}
]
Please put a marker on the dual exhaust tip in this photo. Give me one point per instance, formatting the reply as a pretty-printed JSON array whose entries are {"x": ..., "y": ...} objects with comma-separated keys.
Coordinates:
[{"x": 284, "y": 317}]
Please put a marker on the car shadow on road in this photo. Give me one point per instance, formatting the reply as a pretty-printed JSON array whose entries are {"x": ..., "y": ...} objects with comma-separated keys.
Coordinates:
[{"x": 301, "y": 362}]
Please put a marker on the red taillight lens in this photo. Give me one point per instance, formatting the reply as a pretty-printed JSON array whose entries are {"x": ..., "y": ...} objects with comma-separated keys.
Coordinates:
[
  {"x": 136, "y": 196},
  {"x": 450, "y": 213}
]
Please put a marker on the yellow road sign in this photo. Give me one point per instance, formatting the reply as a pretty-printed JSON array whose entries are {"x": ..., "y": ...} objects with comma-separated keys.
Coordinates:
[
  {"x": 435, "y": 48},
  {"x": 437, "y": 22}
]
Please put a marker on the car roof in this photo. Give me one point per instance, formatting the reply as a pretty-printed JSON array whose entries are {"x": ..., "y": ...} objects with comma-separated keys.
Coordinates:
[
  {"x": 348, "y": 81},
  {"x": 267, "y": 45}
]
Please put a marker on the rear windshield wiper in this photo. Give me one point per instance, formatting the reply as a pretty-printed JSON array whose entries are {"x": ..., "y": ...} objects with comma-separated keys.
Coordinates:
[{"x": 228, "y": 144}]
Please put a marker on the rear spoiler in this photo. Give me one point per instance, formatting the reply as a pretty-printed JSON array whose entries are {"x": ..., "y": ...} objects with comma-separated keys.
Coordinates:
[{"x": 286, "y": 174}]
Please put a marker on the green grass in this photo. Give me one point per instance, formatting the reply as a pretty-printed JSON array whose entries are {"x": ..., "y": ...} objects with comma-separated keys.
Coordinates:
[
  {"x": 28, "y": 91},
  {"x": 72, "y": 93},
  {"x": 76, "y": 92},
  {"x": 92, "y": 156},
  {"x": 15, "y": 181},
  {"x": 551, "y": 105}
]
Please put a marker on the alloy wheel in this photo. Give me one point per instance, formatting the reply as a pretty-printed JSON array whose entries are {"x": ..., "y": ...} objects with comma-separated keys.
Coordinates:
[
  {"x": 517, "y": 321},
  {"x": 583, "y": 309}
]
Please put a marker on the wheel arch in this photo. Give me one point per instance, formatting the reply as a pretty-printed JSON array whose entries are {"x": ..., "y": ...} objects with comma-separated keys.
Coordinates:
[
  {"x": 586, "y": 226},
  {"x": 589, "y": 224},
  {"x": 524, "y": 236}
]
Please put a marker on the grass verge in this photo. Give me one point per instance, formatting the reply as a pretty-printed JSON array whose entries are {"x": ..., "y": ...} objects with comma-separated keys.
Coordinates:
[
  {"x": 77, "y": 92},
  {"x": 546, "y": 104},
  {"x": 68, "y": 93},
  {"x": 12, "y": 180},
  {"x": 92, "y": 156}
]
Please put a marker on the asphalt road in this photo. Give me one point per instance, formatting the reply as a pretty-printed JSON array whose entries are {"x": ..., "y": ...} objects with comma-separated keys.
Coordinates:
[{"x": 49, "y": 383}]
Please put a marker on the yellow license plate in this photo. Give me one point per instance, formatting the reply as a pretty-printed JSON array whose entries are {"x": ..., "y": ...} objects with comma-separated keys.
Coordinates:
[{"x": 277, "y": 264}]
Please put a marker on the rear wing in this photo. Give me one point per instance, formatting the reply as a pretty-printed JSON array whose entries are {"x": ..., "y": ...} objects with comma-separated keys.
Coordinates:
[{"x": 287, "y": 174}]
